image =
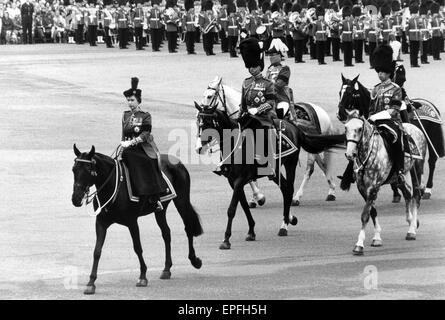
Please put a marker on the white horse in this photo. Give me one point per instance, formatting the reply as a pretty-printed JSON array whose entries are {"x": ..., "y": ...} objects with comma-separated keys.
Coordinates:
[{"x": 228, "y": 99}]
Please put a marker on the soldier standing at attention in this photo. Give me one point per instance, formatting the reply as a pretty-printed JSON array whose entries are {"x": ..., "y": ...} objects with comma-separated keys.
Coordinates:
[
  {"x": 425, "y": 34},
  {"x": 358, "y": 34},
  {"x": 346, "y": 28},
  {"x": 138, "y": 18},
  {"x": 320, "y": 31},
  {"x": 234, "y": 26},
  {"x": 413, "y": 32},
  {"x": 122, "y": 26},
  {"x": 107, "y": 22},
  {"x": 188, "y": 23},
  {"x": 222, "y": 21},
  {"x": 155, "y": 25},
  {"x": 437, "y": 34},
  {"x": 93, "y": 16}
]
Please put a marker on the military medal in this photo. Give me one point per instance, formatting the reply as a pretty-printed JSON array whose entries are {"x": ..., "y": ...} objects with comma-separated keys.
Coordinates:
[
  {"x": 137, "y": 129},
  {"x": 386, "y": 100}
]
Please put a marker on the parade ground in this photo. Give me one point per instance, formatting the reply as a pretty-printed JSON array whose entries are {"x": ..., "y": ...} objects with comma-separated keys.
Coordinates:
[{"x": 53, "y": 96}]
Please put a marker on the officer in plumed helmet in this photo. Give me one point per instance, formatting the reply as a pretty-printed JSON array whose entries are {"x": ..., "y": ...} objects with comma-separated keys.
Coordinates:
[{"x": 140, "y": 153}]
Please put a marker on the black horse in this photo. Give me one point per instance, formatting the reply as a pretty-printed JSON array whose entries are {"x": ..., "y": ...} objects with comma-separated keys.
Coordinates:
[
  {"x": 240, "y": 167},
  {"x": 353, "y": 95},
  {"x": 91, "y": 168}
]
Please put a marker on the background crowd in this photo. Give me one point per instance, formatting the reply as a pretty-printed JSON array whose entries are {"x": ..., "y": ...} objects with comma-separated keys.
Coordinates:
[{"x": 317, "y": 28}]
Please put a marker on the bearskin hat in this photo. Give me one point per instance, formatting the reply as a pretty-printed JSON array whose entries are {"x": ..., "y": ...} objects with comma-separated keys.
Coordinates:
[
  {"x": 296, "y": 7},
  {"x": 153, "y": 2},
  {"x": 383, "y": 59},
  {"x": 231, "y": 8},
  {"x": 395, "y": 6},
  {"x": 287, "y": 7},
  {"x": 252, "y": 5},
  {"x": 252, "y": 53},
  {"x": 319, "y": 11},
  {"x": 265, "y": 6},
  {"x": 311, "y": 4},
  {"x": 107, "y": 2},
  {"x": 435, "y": 7},
  {"x": 346, "y": 11},
  {"x": 385, "y": 10},
  {"x": 423, "y": 9},
  {"x": 334, "y": 7},
  {"x": 241, "y": 3},
  {"x": 133, "y": 91},
  {"x": 274, "y": 7},
  {"x": 356, "y": 11},
  {"x": 189, "y": 4},
  {"x": 208, "y": 5},
  {"x": 169, "y": 4},
  {"x": 414, "y": 7},
  {"x": 303, "y": 3},
  {"x": 325, "y": 4}
]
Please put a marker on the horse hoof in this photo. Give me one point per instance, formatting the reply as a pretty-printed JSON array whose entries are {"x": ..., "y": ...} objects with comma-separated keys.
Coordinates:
[
  {"x": 426, "y": 196},
  {"x": 330, "y": 197},
  {"x": 225, "y": 245},
  {"x": 396, "y": 199},
  {"x": 197, "y": 263},
  {"x": 262, "y": 201},
  {"x": 295, "y": 203},
  {"x": 165, "y": 275},
  {"x": 90, "y": 290},
  {"x": 358, "y": 251},
  {"x": 377, "y": 243},
  {"x": 410, "y": 236},
  {"x": 282, "y": 232},
  {"x": 251, "y": 237},
  {"x": 252, "y": 204},
  {"x": 293, "y": 221},
  {"x": 142, "y": 283}
]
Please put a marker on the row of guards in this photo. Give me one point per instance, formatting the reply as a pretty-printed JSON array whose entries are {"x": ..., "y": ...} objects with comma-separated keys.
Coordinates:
[{"x": 337, "y": 23}]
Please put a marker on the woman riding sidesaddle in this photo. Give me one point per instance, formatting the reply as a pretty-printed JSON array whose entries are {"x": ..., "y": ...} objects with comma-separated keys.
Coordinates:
[{"x": 140, "y": 153}]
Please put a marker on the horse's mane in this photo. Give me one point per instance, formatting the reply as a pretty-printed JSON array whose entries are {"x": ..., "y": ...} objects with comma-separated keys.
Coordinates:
[{"x": 233, "y": 100}]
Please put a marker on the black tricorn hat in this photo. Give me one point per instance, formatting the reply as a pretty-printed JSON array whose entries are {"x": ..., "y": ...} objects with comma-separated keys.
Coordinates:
[
  {"x": 134, "y": 91},
  {"x": 356, "y": 11},
  {"x": 395, "y": 5},
  {"x": 252, "y": 53},
  {"x": 252, "y": 5},
  {"x": 382, "y": 59}
]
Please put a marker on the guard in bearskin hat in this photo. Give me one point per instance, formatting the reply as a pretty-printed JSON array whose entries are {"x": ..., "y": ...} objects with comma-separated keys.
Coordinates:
[
  {"x": 320, "y": 29},
  {"x": 437, "y": 36},
  {"x": 358, "y": 34},
  {"x": 188, "y": 25},
  {"x": 140, "y": 153},
  {"x": 233, "y": 28},
  {"x": 346, "y": 29},
  {"x": 414, "y": 35}
]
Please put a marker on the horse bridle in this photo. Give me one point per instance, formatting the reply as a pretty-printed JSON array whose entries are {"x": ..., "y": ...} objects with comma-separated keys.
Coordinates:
[
  {"x": 353, "y": 102},
  {"x": 357, "y": 142}
]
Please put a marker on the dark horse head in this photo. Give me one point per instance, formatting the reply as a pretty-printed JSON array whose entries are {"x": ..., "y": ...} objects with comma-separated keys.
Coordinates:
[
  {"x": 353, "y": 95},
  {"x": 85, "y": 174}
]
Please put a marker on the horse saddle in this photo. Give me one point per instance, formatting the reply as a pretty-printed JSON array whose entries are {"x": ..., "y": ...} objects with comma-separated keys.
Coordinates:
[
  {"x": 389, "y": 135},
  {"x": 167, "y": 195},
  {"x": 306, "y": 118}
]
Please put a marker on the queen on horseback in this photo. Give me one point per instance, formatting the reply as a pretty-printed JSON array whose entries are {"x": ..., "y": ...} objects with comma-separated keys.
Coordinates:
[{"x": 139, "y": 151}]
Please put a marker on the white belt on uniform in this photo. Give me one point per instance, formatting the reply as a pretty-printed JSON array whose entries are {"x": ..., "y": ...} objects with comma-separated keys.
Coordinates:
[
  {"x": 233, "y": 27},
  {"x": 122, "y": 19},
  {"x": 347, "y": 32}
]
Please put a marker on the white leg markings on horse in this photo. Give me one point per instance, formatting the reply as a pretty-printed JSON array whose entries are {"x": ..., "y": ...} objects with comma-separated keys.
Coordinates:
[{"x": 361, "y": 238}]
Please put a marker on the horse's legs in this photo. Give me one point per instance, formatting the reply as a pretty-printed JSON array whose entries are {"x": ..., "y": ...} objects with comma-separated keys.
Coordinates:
[
  {"x": 237, "y": 187},
  {"x": 101, "y": 232},
  {"x": 369, "y": 197},
  {"x": 135, "y": 236},
  {"x": 377, "y": 240},
  {"x": 432, "y": 167},
  {"x": 251, "y": 236},
  {"x": 307, "y": 175},
  {"x": 325, "y": 165},
  {"x": 165, "y": 230},
  {"x": 287, "y": 189},
  {"x": 395, "y": 193},
  {"x": 409, "y": 200},
  {"x": 257, "y": 196}
]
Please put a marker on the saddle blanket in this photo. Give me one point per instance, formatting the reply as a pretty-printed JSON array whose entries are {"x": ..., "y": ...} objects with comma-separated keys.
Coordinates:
[
  {"x": 427, "y": 111},
  {"x": 411, "y": 149},
  {"x": 307, "y": 119},
  {"x": 169, "y": 193}
]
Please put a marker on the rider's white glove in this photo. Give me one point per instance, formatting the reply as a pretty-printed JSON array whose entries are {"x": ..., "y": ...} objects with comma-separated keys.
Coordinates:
[
  {"x": 125, "y": 144},
  {"x": 253, "y": 111}
]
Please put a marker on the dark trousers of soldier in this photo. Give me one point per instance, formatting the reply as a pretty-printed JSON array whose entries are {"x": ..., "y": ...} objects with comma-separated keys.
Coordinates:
[
  {"x": 312, "y": 48},
  {"x": 347, "y": 53},
  {"x": 233, "y": 40},
  {"x": 156, "y": 35},
  {"x": 224, "y": 41},
  {"x": 190, "y": 41},
  {"x": 358, "y": 51},
  {"x": 172, "y": 37},
  {"x": 372, "y": 46},
  {"x": 107, "y": 37},
  {"x": 335, "y": 49},
  {"x": 299, "y": 50},
  {"x": 123, "y": 36},
  {"x": 320, "y": 51},
  {"x": 27, "y": 30},
  {"x": 435, "y": 46},
  {"x": 92, "y": 35},
  {"x": 138, "y": 38},
  {"x": 425, "y": 50},
  {"x": 414, "y": 52},
  {"x": 327, "y": 47},
  {"x": 290, "y": 44},
  {"x": 405, "y": 45},
  {"x": 207, "y": 42},
  {"x": 197, "y": 36},
  {"x": 79, "y": 34}
]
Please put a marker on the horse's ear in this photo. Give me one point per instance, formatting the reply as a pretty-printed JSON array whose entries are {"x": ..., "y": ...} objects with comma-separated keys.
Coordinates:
[
  {"x": 343, "y": 79},
  {"x": 92, "y": 152},
  {"x": 197, "y": 106},
  {"x": 76, "y": 151},
  {"x": 356, "y": 78}
]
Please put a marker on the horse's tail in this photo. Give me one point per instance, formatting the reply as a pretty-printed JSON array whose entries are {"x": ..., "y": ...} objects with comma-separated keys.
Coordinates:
[
  {"x": 320, "y": 143},
  {"x": 182, "y": 201}
]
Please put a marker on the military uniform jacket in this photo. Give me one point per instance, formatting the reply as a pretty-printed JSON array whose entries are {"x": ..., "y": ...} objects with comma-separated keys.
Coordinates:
[
  {"x": 138, "y": 124},
  {"x": 93, "y": 17},
  {"x": 277, "y": 29},
  {"x": 320, "y": 30},
  {"x": 205, "y": 19},
  {"x": 107, "y": 17},
  {"x": 435, "y": 26},
  {"x": 254, "y": 22},
  {"x": 233, "y": 26},
  {"x": 413, "y": 29},
  {"x": 425, "y": 33},
  {"x": 257, "y": 91},
  {"x": 121, "y": 19},
  {"x": 154, "y": 19},
  {"x": 335, "y": 30},
  {"x": 383, "y": 97},
  {"x": 80, "y": 16},
  {"x": 386, "y": 26},
  {"x": 298, "y": 32},
  {"x": 359, "y": 30},
  {"x": 138, "y": 17},
  {"x": 171, "y": 24},
  {"x": 346, "y": 28},
  {"x": 267, "y": 22},
  {"x": 223, "y": 19},
  {"x": 397, "y": 24},
  {"x": 188, "y": 22}
]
